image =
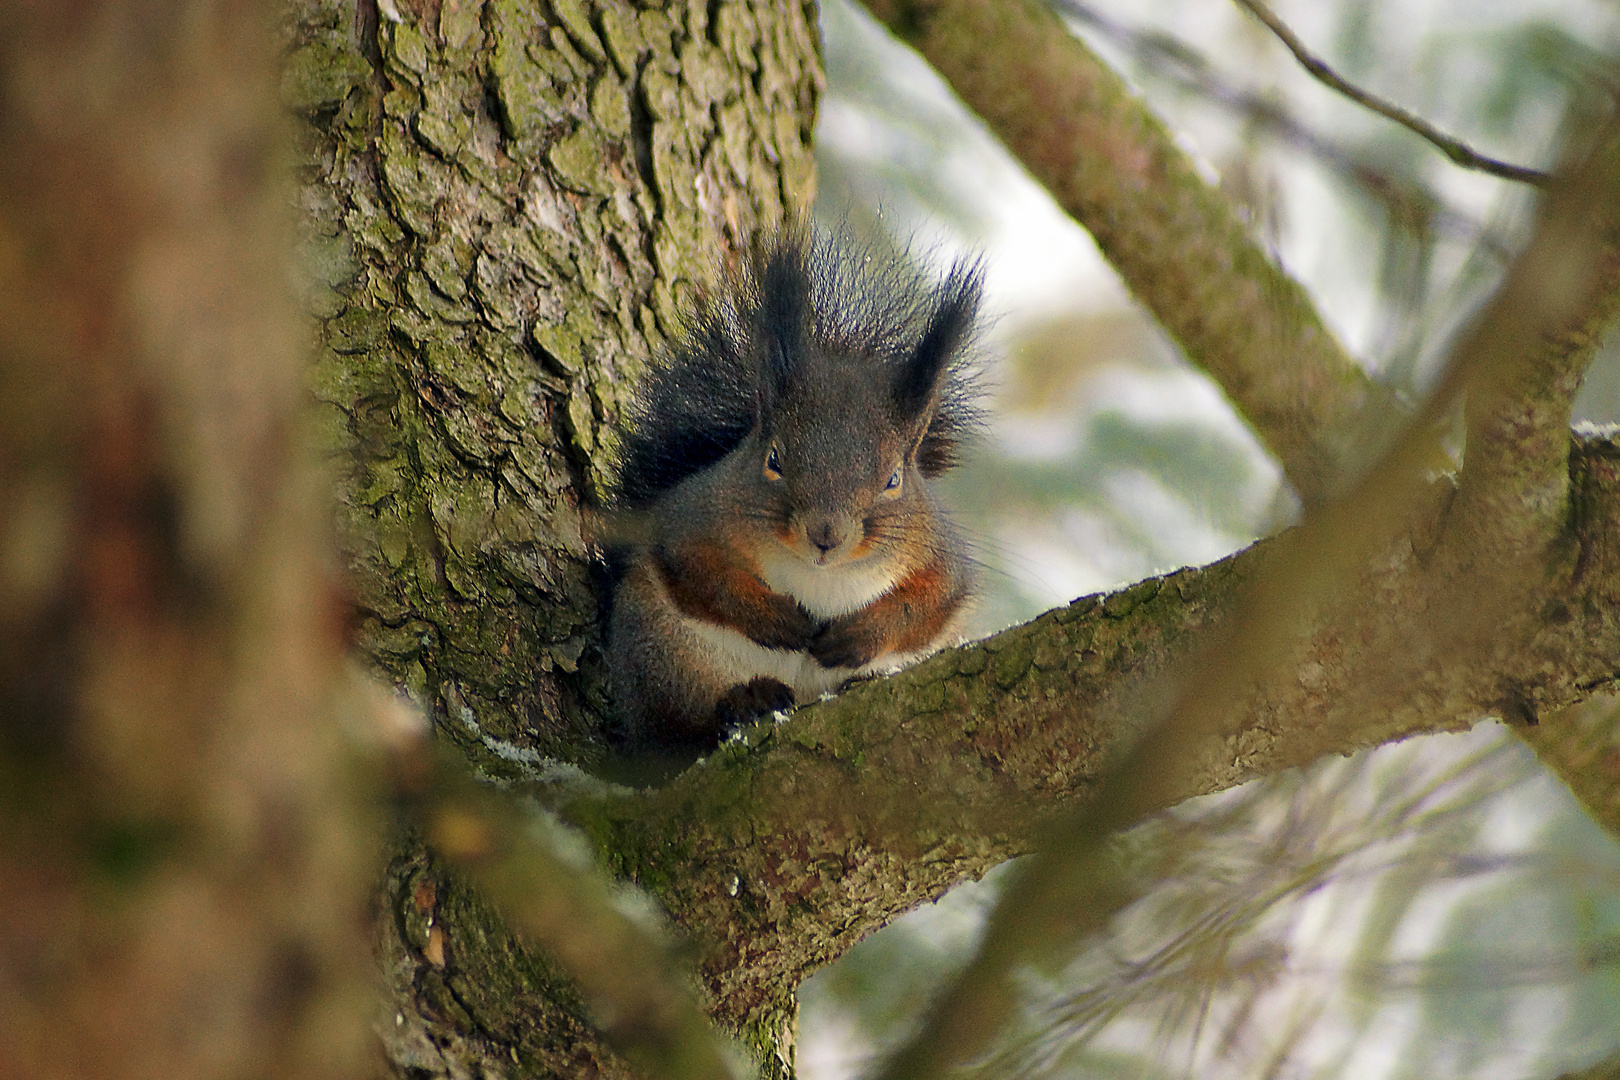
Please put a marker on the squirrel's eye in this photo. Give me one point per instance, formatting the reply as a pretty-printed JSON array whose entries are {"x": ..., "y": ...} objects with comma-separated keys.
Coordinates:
[
  {"x": 894, "y": 481},
  {"x": 773, "y": 467}
]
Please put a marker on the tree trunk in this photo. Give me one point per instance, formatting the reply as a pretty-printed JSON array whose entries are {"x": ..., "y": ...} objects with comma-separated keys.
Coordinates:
[{"x": 508, "y": 203}]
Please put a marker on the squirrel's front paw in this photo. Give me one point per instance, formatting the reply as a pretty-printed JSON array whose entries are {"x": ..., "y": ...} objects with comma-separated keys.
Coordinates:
[
  {"x": 842, "y": 645},
  {"x": 791, "y": 627},
  {"x": 747, "y": 702}
]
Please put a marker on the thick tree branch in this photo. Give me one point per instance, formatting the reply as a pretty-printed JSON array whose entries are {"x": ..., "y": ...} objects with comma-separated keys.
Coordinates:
[
  {"x": 1172, "y": 237},
  {"x": 785, "y": 848}
]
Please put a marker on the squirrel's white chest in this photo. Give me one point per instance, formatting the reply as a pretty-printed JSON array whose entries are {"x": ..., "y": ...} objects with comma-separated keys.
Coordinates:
[{"x": 826, "y": 592}]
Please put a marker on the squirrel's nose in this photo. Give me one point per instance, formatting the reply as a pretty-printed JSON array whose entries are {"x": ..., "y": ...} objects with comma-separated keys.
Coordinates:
[{"x": 825, "y": 536}]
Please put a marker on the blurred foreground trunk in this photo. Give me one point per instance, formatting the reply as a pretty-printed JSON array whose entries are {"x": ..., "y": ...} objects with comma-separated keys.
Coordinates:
[{"x": 184, "y": 866}]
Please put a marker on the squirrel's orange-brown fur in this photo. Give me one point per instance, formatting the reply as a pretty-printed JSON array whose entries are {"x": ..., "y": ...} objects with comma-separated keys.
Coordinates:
[
  {"x": 780, "y": 458},
  {"x": 906, "y": 619},
  {"x": 720, "y": 585}
]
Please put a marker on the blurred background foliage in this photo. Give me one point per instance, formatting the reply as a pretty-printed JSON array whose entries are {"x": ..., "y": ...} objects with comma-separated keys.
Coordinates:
[{"x": 1438, "y": 908}]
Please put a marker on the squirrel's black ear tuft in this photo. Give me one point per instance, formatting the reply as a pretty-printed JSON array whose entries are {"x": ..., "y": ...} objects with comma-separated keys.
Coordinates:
[
  {"x": 783, "y": 311},
  {"x": 950, "y": 325},
  {"x": 938, "y": 383}
]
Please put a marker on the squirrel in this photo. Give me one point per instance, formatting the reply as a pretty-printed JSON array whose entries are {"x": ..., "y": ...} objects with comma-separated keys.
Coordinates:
[{"x": 778, "y": 460}]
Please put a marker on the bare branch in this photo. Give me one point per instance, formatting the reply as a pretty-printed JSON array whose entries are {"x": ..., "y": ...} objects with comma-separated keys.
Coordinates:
[
  {"x": 1193, "y": 72},
  {"x": 1457, "y": 151},
  {"x": 1173, "y": 238}
]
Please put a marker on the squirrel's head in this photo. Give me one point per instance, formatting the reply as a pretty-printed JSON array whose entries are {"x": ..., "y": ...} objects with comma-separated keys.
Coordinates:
[
  {"x": 830, "y": 380},
  {"x": 851, "y": 419}
]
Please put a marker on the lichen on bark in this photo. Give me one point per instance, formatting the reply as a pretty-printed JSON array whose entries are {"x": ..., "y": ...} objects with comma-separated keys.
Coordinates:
[{"x": 520, "y": 194}]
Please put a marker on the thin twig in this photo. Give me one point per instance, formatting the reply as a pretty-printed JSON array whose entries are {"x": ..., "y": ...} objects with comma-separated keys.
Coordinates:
[
  {"x": 1193, "y": 73},
  {"x": 1459, "y": 152}
]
